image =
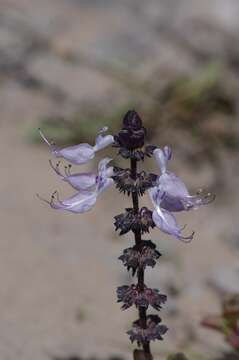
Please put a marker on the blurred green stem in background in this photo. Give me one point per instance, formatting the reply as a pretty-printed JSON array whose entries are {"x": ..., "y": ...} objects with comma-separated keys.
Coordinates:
[{"x": 178, "y": 356}]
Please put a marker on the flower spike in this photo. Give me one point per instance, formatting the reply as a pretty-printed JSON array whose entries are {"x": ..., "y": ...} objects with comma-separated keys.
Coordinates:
[{"x": 168, "y": 194}]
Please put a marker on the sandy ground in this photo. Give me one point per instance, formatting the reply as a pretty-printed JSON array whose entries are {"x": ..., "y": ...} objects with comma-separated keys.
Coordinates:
[{"x": 58, "y": 271}]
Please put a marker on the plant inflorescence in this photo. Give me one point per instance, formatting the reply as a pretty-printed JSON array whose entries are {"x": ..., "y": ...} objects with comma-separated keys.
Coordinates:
[{"x": 168, "y": 195}]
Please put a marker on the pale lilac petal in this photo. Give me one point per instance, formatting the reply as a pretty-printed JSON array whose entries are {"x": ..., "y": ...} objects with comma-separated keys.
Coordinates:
[
  {"x": 76, "y": 154},
  {"x": 175, "y": 192},
  {"x": 173, "y": 185},
  {"x": 166, "y": 222},
  {"x": 104, "y": 175},
  {"x": 104, "y": 185},
  {"x": 162, "y": 157},
  {"x": 82, "y": 181},
  {"x": 102, "y": 166},
  {"x": 177, "y": 197},
  {"x": 110, "y": 171},
  {"x": 103, "y": 141},
  {"x": 79, "y": 181},
  {"x": 173, "y": 204},
  {"x": 163, "y": 219},
  {"x": 167, "y": 152},
  {"x": 82, "y": 153},
  {"x": 156, "y": 195},
  {"x": 78, "y": 203}
]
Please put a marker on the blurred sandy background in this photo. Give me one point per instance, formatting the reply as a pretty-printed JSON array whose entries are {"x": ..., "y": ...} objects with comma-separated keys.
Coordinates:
[{"x": 73, "y": 66}]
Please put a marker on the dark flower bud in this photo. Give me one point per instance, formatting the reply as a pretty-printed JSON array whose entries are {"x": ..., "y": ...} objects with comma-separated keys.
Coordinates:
[
  {"x": 130, "y": 295},
  {"x": 132, "y": 135},
  {"x": 132, "y": 121},
  {"x": 136, "y": 222},
  {"x": 154, "y": 330},
  {"x": 135, "y": 258}
]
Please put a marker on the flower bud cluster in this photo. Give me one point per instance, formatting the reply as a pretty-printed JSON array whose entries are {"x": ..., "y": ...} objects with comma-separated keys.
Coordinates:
[
  {"x": 126, "y": 184},
  {"x": 153, "y": 331},
  {"x": 135, "y": 258},
  {"x": 142, "y": 221},
  {"x": 132, "y": 294}
]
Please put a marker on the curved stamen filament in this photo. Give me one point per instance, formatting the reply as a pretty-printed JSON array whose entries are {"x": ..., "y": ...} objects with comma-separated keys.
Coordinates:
[
  {"x": 49, "y": 202},
  {"x": 56, "y": 168},
  {"x": 68, "y": 170}
]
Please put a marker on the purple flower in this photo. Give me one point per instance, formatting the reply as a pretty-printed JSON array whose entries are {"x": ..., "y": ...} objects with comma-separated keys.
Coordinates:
[
  {"x": 82, "y": 153},
  {"x": 89, "y": 184},
  {"x": 79, "y": 181},
  {"x": 176, "y": 196},
  {"x": 171, "y": 195},
  {"x": 84, "y": 181},
  {"x": 163, "y": 219}
]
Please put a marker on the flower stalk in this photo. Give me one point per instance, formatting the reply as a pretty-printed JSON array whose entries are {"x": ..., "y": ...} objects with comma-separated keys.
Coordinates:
[
  {"x": 167, "y": 192},
  {"x": 138, "y": 241}
]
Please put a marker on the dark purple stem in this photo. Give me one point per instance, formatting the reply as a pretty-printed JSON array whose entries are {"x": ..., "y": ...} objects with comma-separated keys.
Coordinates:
[{"x": 137, "y": 236}]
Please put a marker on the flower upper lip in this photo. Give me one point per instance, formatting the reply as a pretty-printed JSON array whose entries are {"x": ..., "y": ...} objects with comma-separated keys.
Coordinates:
[{"x": 82, "y": 153}]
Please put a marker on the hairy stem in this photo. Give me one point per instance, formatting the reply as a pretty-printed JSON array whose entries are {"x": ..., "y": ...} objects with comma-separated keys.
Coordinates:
[{"x": 137, "y": 236}]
